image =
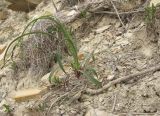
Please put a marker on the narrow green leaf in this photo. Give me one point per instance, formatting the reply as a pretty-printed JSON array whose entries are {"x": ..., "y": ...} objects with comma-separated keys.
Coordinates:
[
  {"x": 7, "y": 108},
  {"x": 58, "y": 58},
  {"x": 70, "y": 44},
  {"x": 89, "y": 73},
  {"x": 93, "y": 71},
  {"x": 51, "y": 75},
  {"x": 55, "y": 80},
  {"x": 93, "y": 58}
]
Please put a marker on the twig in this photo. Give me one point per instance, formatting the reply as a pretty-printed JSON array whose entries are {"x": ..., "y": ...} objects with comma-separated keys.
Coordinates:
[
  {"x": 77, "y": 95},
  {"x": 120, "y": 13},
  {"x": 117, "y": 13},
  {"x": 114, "y": 103},
  {"x": 119, "y": 80},
  {"x": 54, "y": 5},
  {"x": 42, "y": 100},
  {"x": 59, "y": 98}
]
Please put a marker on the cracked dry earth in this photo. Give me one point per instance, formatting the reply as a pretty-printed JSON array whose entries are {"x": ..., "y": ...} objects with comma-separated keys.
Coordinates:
[{"x": 120, "y": 53}]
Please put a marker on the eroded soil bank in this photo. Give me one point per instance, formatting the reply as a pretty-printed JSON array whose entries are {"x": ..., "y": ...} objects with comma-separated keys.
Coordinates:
[{"x": 120, "y": 49}]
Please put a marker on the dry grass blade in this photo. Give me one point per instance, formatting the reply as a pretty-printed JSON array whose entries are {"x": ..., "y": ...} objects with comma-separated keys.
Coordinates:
[{"x": 117, "y": 13}]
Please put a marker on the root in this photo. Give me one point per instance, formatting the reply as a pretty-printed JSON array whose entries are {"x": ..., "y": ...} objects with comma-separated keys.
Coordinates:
[{"x": 60, "y": 98}]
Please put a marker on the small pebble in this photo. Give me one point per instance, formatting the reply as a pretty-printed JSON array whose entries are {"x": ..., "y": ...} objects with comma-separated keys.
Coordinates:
[
  {"x": 61, "y": 107},
  {"x": 73, "y": 111},
  {"x": 57, "y": 111},
  {"x": 62, "y": 111},
  {"x": 110, "y": 77},
  {"x": 101, "y": 99},
  {"x": 87, "y": 103}
]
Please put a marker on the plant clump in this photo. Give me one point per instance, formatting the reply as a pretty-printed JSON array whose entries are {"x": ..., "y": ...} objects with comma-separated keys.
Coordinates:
[
  {"x": 46, "y": 42},
  {"x": 151, "y": 26}
]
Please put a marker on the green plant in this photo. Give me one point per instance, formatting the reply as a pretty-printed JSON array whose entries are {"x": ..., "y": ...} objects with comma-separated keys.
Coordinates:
[
  {"x": 151, "y": 23},
  {"x": 41, "y": 107},
  {"x": 150, "y": 12},
  {"x": 14, "y": 66},
  {"x": 78, "y": 68},
  {"x": 90, "y": 73},
  {"x": 7, "y": 108},
  {"x": 53, "y": 79},
  {"x": 61, "y": 29},
  {"x": 83, "y": 14}
]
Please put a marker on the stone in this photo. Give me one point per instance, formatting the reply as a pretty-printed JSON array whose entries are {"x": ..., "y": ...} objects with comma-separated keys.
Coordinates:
[
  {"x": 62, "y": 111},
  {"x": 73, "y": 112},
  {"x": 87, "y": 103},
  {"x": 3, "y": 15},
  {"x": 110, "y": 77},
  {"x": 21, "y": 5},
  {"x": 98, "y": 112},
  {"x": 2, "y": 47},
  {"x": 57, "y": 111},
  {"x": 27, "y": 94},
  {"x": 44, "y": 80},
  {"x": 61, "y": 107},
  {"x": 101, "y": 99},
  {"x": 35, "y": 1},
  {"x": 102, "y": 29},
  {"x": 155, "y": 2}
]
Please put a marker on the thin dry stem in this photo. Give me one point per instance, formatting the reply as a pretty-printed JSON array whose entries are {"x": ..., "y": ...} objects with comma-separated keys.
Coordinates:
[
  {"x": 117, "y": 13},
  {"x": 119, "y": 80}
]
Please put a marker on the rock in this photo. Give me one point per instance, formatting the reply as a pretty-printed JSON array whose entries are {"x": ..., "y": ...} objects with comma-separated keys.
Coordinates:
[
  {"x": 156, "y": 74},
  {"x": 128, "y": 35},
  {"x": 155, "y": 2},
  {"x": 3, "y": 102},
  {"x": 62, "y": 111},
  {"x": 110, "y": 77},
  {"x": 97, "y": 112},
  {"x": 61, "y": 107},
  {"x": 87, "y": 103},
  {"x": 27, "y": 94},
  {"x": 57, "y": 76},
  {"x": 101, "y": 99},
  {"x": 73, "y": 111},
  {"x": 57, "y": 111},
  {"x": 20, "y": 110},
  {"x": 147, "y": 51},
  {"x": 102, "y": 29},
  {"x": 3, "y": 15},
  {"x": 35, "y": 1},
  {"x": 21, "y": 5},
  {"x": 3, "y": 114},
  {"x": 44, "y": 80},
  {"x": 118, "y": 24},
  {"x": 2, "y": 47}
]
